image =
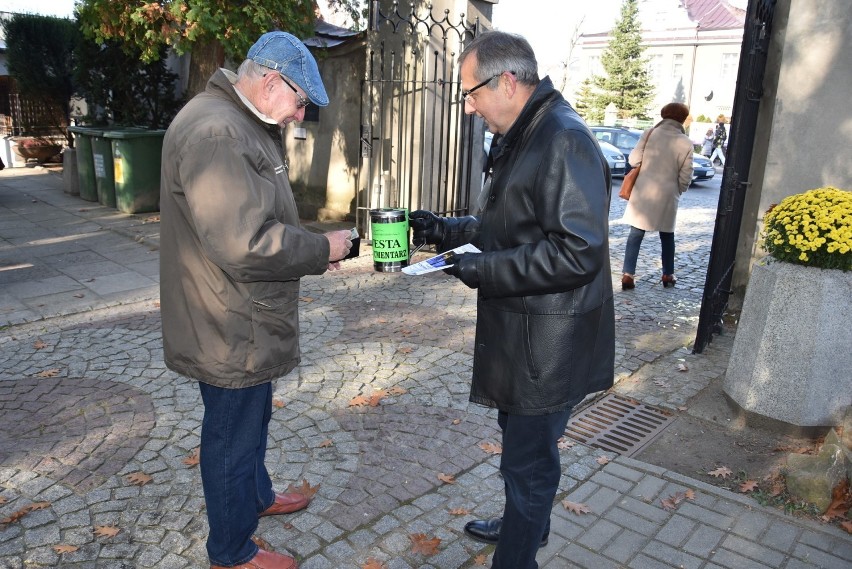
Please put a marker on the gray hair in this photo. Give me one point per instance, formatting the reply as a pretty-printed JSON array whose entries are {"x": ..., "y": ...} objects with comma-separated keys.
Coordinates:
[
  {"x": 251, "y": 70},
  {"x": 497, "y": 52}
]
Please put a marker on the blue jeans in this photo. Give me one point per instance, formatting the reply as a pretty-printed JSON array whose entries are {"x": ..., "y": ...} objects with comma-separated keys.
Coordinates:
[
  {"x": 531, "y": 470},
  {"x": 634, "y": 241},
  {"x": 236, "y": 484}
]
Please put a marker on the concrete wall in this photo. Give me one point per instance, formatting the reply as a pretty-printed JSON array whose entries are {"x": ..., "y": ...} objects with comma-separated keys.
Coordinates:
[
  {"x": 804, "y": 130},
  {"x": 324, "y": 155}
]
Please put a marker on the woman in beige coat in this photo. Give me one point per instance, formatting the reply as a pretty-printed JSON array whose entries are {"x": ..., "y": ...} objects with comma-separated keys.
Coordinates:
[{"x": 665, "y": 153}]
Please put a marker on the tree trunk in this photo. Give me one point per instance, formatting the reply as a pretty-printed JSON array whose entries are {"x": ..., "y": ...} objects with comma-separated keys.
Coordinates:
[{"x": 205, "y": 59}]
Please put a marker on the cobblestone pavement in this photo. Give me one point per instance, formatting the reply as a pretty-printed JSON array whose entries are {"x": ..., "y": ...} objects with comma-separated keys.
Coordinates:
[{"x": 86, "y": 400}]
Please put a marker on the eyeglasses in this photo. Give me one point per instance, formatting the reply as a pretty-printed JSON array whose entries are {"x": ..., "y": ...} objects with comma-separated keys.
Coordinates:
[
  {"x": 465, "y": 95},
  {"x": 303, "y": 102}
]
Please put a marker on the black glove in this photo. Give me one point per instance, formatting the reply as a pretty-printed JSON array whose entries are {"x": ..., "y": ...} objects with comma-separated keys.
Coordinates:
[
  {"x": 428, "y": 227},
  {"x": 464, "y": 269}
]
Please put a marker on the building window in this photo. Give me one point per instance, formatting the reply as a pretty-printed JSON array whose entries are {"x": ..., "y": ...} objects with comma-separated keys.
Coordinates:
[
  {"x": 595, "y": 67},
  {"x": 677, "y": 66},
  {"x": 655, "y": 68},
  {"x": 730, "y": 62}
]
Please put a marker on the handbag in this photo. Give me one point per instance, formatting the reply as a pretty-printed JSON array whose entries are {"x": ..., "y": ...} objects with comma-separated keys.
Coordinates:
[
  {"x": 627, "y": 183},
  {"x": 630, "y": 178}
]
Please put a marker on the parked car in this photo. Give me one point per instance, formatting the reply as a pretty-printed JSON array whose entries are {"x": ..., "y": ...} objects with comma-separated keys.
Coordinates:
[
  {"x": 702, "y": 168},
  {"x": 616, "y": 160},
  {"x": 624, "y": 139}
]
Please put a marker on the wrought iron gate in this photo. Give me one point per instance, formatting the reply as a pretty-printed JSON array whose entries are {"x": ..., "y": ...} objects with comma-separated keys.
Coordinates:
[
  {"x": 735, "y": 177},
  {"x": 417, "y": 145}
]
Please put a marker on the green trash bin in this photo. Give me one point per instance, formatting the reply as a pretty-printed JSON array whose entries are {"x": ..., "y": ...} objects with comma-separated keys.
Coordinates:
[
  {"x": 104, "y": 175},
  {"x": 85, "y": 162},
  {"x": 137, "y": 155}
]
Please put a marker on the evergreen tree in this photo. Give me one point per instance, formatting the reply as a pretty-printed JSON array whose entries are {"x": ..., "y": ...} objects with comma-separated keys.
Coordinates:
[{"x": 626, "y": 82}]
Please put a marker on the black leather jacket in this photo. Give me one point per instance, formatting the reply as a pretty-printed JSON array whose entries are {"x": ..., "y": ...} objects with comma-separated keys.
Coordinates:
[{"x": 545, "y": 331}]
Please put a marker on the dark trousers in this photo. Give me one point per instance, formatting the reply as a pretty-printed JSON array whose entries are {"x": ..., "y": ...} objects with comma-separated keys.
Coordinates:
[
  {"x": 234, "y": 477},
  {"x": 634, "y": 241},
  {"x": 531, "y": 470}
]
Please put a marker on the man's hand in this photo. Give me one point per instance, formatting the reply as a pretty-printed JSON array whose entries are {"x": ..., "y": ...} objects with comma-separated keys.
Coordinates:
[
  {"x": 464, "y": 269},
  {"x": 338, "y": 244},
  {"x": 428, "y": 227}
]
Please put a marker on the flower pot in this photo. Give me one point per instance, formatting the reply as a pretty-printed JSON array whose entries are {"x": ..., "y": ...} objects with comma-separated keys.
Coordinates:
[
  {"x": 38, "y": 153},
  {"x": 791, "y": 358}
]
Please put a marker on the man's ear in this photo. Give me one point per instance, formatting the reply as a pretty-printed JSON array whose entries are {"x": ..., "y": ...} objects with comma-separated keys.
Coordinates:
[{"x": 509, "y": 84}]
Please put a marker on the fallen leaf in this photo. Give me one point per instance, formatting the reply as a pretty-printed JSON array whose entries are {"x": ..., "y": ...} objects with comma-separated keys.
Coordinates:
[
  {"x": 748, "y": 486},
  {"x": 373, "y": 563},
  {"x": 39, "y": 506},
  {"x": 307, "y": 299},
  {"x": 447, "y": 478},
  {"x": 305, "y": 489},
  {"x": 682, "y": 367},
  {"x": 491, "y": 448},
  {"x": 672, "y": 501},
  {"x": 777, "y": 489},
  {"x": 405, "y": 332},
  {"x": 421, "y": 543},
  {"x": 576, "y": 508},
  {"x": 480, "y": 559},
  {"x": 106, "y": 531},
  {"x": 565, "y": 443},
  {"x": 661, "y": 383},
  {"x": 15, "y": 516},
  {"x": 138, "y": 478},
  {"x": 359, "y": 401},
  {"x": 456, "y": 421},
  {"x": 602, "y": 460},
  {"x": 721, "y": 472},
  {"x": 79, "y": 295},
  {"x": 377, "y": 397},
  {"x": 405, "y": 350},
  {"x": 277, "y": 403},
  {"x": 261, "y": 543},
  {"x": 48, "y": 373},
  {"x": 847, "y": 526},
  {"x": 459, "y": 511},
  {"x": 668, "y": 504},
  {"x": 194, "y": 459},
  {"x": 39, "y": 345},
  {"x": 60, "y": 549},
  {"x": 2, "y": 500},
  {"x": 397, "y": 391},
  {"x": 326, "y": 443},
  {"x": 287, "y": 525}
]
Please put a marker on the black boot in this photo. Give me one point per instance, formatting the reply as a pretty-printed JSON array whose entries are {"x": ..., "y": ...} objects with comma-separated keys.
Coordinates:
[{"x": 488, "y": 531}]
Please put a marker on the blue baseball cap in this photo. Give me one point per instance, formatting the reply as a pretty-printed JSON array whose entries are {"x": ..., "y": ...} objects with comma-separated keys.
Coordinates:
[{"x": 286, "y": 54}]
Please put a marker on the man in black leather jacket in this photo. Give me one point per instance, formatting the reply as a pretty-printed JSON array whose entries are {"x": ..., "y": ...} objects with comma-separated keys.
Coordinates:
[{"x": 545, "y": 321}]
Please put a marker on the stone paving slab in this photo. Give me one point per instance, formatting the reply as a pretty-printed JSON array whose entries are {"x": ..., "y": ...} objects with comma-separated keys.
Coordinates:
[{"x": 86, "y": 400}]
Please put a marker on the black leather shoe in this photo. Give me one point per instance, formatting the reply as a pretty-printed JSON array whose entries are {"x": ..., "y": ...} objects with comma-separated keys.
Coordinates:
[{"x": 488, "y": 531}]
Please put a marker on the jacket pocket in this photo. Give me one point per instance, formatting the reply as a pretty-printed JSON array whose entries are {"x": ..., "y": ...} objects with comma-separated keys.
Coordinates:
[{"x": 274, "y": 331}]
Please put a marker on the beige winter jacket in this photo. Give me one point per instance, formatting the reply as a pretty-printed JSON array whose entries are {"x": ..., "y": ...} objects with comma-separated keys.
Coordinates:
[
  {"x": 232, "y": 250},
  {"x": 666, "y": 173}
]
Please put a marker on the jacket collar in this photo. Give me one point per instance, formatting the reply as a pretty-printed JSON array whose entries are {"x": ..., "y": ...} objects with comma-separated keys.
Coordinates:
[
  {"x": 221, "y": 85},
  {"x": 542, "y": 98}
]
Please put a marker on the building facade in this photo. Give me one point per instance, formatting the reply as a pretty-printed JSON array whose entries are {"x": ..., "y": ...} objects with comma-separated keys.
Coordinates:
[{"x": 692, "y": 48}]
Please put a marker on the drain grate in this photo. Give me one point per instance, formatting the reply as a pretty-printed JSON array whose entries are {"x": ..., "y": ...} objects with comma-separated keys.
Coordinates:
[{"x": 618, "y": 424}]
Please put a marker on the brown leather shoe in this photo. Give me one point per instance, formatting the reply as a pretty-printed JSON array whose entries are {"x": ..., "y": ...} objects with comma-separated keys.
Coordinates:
[
  {"x": 668, "y": 280},
  {"x": 627, "y": 282},
  {"x": 286, "y": 503},
  {"x": 265, "y": 560}
]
